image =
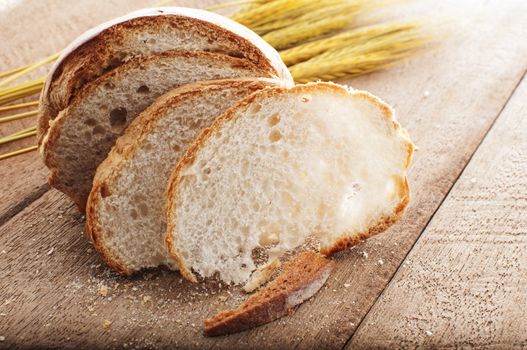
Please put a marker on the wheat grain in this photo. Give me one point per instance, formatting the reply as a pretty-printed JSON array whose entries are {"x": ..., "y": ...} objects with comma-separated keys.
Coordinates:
[
  {"x": 375, "y": 54},
  {"x": 302, "y": 12},
  {"x": 271, "y": 11},
  {"x": 340, "y": 17},
  {"x": 311, "y": 49}
]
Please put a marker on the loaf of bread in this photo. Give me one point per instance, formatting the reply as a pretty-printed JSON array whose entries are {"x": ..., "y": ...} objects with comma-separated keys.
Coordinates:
[
  {"x": 145, "y": 32},
  {"x": 316, "y": 165},
  {"x": 82, "y": 135},
  {"x": 125, "y": 211}
]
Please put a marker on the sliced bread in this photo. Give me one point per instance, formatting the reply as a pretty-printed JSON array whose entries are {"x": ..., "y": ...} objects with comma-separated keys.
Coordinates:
[
  {"x": 82, "y": 135},
  {"x": 144, "y": 32},
  {"x": 301, "y": 278},
  {"x": 316, "y": 164},
  {"x": 125, "y": 211}
]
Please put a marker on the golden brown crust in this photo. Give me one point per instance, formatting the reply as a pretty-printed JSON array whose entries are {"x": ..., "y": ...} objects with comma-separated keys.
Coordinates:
[
  {"x": 94, "y": 58},
  {"x": 188, "y": 158},
  {"x": 306, "y": 271},
  {"x": 128, "y": 144},
  {"x": 51, "y": 138}
]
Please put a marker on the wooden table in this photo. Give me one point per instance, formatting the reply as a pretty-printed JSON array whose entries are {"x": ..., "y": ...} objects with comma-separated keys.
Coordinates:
[{"x": 452, "y": 273}]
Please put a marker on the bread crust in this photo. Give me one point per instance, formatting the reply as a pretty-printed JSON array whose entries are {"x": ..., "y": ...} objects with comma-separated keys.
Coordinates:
[
  {"x": 300, "y": 279},
  {"x": 87, "y": 59},
  {"x": 128, "y": 144},
  {"x": 347, "y": 239},
  {"x": 52, "y": 137}
]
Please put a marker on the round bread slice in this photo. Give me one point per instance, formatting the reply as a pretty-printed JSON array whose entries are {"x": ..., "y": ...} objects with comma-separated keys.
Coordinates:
[
  {"x": 144, "y": 32},
  {"x": 82, "y": 135},
  {"x": 316, "y": 165},
  {"x": 125, "y": 211}
]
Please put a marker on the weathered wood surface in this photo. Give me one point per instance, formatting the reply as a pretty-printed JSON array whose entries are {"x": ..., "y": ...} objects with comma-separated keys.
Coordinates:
[
  {"x": 465, "y": 281},
  {"x": 447, "y": 99}
]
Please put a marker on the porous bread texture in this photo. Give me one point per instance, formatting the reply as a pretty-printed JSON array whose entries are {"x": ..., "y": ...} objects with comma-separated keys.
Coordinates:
[
  {"x": 125, "y": 211},
  {"x": 144, "y": 32},
  {"x": 316, "y": 163},
  {"x": 301, "y": 278},
  {"x": 82, "y": 135}
]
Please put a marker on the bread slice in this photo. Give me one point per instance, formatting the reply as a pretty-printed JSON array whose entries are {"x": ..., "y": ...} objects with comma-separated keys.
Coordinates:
[
  {"x": 83, "y": 134},
  {"x": 144, "y": 32},
  {"x": 125, "y": 211},
  {"x": 316, "y": 165},
  {"x": 301, "y": 278}
]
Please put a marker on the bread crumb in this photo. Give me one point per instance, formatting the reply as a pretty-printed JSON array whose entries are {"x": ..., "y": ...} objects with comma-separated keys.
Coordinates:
[
  {"x": 223, "y": 298},
  {"x": 473, "y": 180},
  {"x": 347, "y": 285},
  {"x": 134, "y": 289},
  {"x": 364, "y": 254},
  {"x": 50, "y": 251},
  {"x": 106, "y": 324},
  {"x": 426, "y": 93},
  {"x": 381, "y": 262},
  {"x": 146, "y": 299},
  {"x": 2, "y": 338},
  {"x": 428, "y": 333},
  {"x": 305, "y": 98},
  {"x": 103, "y": 290}
]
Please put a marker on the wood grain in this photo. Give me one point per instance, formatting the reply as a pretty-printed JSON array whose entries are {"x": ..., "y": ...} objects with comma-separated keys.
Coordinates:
[
  {"x": 469, "y": 78},
  {"x": 465, "y": 281}
]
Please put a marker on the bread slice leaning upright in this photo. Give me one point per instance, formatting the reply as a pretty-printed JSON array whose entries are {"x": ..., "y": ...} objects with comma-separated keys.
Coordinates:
[
  {"x": 315, "y": 165},
  {"x": 142, "y": 33},
  {"x": 82, "y": 135},
  {"x": 125, "y": 211}
]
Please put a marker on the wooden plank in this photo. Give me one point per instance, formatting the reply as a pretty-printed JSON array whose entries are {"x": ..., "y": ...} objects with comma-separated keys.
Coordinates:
[
  {"x": 465, "y": 281},
  {"x": 461, "y": 77}
]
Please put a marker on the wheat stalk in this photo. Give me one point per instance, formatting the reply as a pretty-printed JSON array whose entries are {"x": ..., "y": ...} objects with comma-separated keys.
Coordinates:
[
  {"x": 378, "y": 53},
  {"x": 21, "y": 90},
  {"x": 28, "y": 69},
  {"x": 270, "y": 11},
  {"x": 283, "y": 23},
  {"x": 310, "y": 29},
  {"x": 16, "y": 153},
  {"x": 18, "y": 136},
  {"x": 354, "y": 37},
  {"x": 18, "y": 116},
  {"x": 20, "y": 105}
]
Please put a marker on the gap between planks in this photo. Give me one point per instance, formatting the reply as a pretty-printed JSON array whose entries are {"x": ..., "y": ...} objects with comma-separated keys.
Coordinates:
[{"x": 500, "y": 113}]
